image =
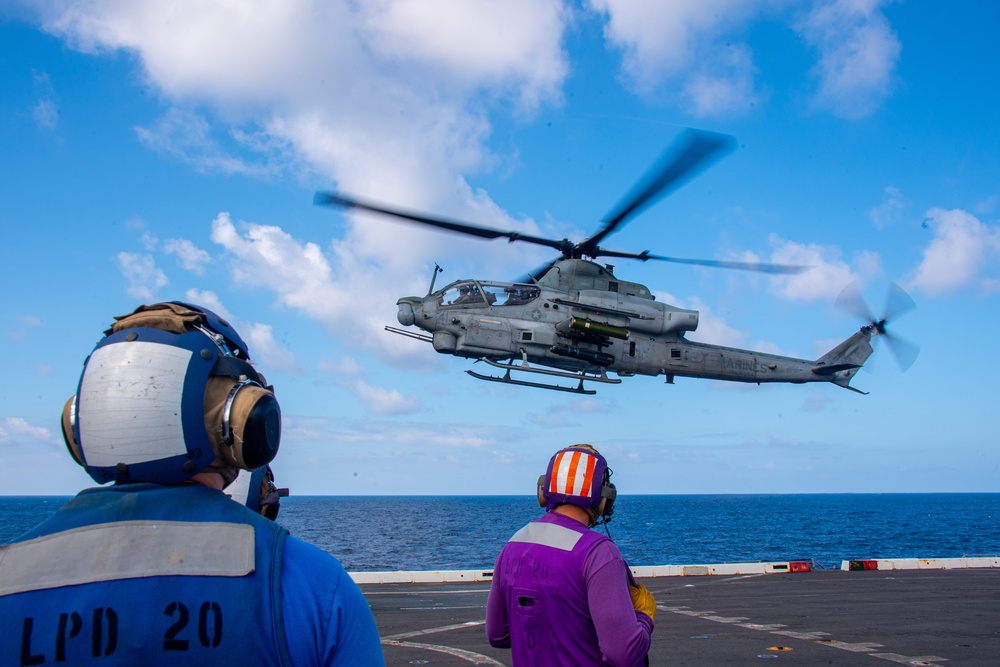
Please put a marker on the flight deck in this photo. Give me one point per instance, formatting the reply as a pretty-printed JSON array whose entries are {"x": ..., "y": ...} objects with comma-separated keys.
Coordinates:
[{"x": 795, "y": 616}]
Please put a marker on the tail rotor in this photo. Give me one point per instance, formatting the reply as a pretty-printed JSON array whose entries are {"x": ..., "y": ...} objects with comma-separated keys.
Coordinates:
[{"x": 898, "y": 303}]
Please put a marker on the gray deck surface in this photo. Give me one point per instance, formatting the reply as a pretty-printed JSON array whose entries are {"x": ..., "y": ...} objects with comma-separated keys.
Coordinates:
[{"x": 908, "y": 617}]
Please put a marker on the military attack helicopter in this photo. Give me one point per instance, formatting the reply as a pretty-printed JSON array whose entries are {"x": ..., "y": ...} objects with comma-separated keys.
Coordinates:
[{"x": 573, "y": 318}]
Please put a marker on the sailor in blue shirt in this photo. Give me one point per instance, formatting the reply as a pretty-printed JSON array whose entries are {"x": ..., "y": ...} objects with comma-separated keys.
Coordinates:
[{"x": 162, "y": 567}]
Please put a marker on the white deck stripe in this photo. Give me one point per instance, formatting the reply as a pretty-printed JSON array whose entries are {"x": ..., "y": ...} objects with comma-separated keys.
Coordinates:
[{"x": 818, "y": 637}]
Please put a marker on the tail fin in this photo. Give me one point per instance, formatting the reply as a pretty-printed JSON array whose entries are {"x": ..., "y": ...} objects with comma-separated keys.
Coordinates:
[{"x": 842, "y": 362}]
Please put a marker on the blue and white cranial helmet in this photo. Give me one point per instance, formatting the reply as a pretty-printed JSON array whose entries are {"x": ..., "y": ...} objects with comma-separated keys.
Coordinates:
[{"x": 168, "y": 392}]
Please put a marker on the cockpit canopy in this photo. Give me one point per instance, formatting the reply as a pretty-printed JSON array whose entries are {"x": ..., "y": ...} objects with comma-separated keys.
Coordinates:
[{"x": 466, "y": 293}]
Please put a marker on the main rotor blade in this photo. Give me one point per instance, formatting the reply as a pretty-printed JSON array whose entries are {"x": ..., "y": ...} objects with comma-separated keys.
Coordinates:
[
  {"x": 533, "y": 276},
  {"x": 760, "y": 267},
  {"x": 333, "y": 199},
  {"x": 692, "y": 152}
]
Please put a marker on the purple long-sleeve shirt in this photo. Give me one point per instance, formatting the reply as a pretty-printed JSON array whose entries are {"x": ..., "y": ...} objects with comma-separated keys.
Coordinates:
[{"x": 560, "y": 596}]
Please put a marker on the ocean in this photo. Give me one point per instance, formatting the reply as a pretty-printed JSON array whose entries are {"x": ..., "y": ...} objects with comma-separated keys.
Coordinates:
[{"x": 451, "y": 532}]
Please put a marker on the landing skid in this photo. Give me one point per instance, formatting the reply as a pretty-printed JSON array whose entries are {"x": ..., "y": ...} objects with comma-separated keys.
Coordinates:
[{"x": 523, "y": 366}]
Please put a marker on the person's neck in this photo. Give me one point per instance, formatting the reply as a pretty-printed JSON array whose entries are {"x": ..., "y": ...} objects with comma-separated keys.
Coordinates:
[
  {"x": 212, "y": 480},
  {"x": 574, "y": 512}
]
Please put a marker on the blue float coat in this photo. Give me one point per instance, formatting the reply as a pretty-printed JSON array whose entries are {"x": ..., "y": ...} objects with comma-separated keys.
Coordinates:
[{"x": 168, "y": 575}]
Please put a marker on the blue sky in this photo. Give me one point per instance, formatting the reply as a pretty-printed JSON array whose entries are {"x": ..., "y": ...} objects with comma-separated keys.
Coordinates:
[{"x": 157, "y": 151}]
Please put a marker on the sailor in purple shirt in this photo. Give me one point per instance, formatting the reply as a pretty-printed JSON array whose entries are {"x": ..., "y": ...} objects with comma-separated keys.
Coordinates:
[{"x": 561, "y": 593}]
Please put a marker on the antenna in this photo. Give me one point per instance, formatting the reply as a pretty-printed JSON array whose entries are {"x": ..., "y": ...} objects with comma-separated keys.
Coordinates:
[{"x": 437, "y": 270}]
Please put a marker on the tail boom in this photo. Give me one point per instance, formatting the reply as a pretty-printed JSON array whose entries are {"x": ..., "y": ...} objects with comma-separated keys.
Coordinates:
[{"x": 841, "y": 363}]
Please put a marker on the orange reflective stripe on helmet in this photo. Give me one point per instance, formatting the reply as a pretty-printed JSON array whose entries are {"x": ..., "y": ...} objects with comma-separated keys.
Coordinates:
[{"x": 571, "y": 478}]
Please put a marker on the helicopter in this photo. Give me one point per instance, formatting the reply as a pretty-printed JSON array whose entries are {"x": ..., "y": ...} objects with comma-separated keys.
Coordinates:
[{"x": 572, "y": 318}]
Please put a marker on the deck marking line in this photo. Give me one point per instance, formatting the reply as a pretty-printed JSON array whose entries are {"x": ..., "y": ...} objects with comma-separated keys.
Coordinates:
[
  {"x": 726, "y": 619},
  {"x": 856, "y": 647},
  {"x": 468, "y": 656},
  {"x": 904, "y": 660},
  {"x": 697, "y": 614},
  {"x": 818, "y": 637},
  {"x": 764, "y": 627},
  {"x": 417, "y": 593},
  {"x": 807, "y": 636},
  {"x": 431, "y": 631},
  {"x": 476, "y": 606}
]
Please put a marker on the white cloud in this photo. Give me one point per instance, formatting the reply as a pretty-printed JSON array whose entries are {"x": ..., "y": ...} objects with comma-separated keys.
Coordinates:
[
  {"x": 665, "y": 40},
  {"x": 342, "y": 366},
  {"x": 272, "y": 354},
  {"x": 986, "y": 206},
  {"x": 144, "y": 278},
  {"x": 388, "y": 99},
  {"x": 46, "y": 110},
  {"x": 18, "y": 426},
  {"x": 728, "y": 89},
  {"x": 187, "y": 137},
  {"x": 350, "y": 292},
  {"x": 509, "y": 44},
  {"x": 815, "y": 402},
  {"x": 266, "y": 256},
  {"x": 888, "y": 212},
  {"x": 265, "y": 350},
  {"x": 868, "y": 264},
  {"x": 858, "y": 54},
  {"x": 958, "y": 255},
  {"x": 376, "y": 93},
  {"x": 713, "y": 329},
  {"x": 192, "y": 257},
  {"x": 662, "y": 37},
  {"x": 695, "y": 44},
  {"x": 408, "y": 436},
  {"x": 25, "y": 323},
  {"x": 210, "y": 300},
  {"x": 383, "y": 401},
  {"x": 827, "y": 276},
  {"x": 45, "y": 114}
]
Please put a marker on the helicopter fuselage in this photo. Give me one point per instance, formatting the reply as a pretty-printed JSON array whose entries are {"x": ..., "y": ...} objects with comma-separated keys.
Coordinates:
[{"x": 581, "y": 319}]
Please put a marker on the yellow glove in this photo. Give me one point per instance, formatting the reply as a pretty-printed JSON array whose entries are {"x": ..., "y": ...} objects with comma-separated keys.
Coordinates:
[{"x": 642, "y": 600}]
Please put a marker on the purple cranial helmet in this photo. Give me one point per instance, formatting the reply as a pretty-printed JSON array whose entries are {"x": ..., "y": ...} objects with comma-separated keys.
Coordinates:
[{"x": 580, "y": 476}]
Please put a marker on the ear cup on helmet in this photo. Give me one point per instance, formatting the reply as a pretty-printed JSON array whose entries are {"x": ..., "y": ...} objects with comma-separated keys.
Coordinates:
[
  {"x": 255, "y": 421},
  {"x": 543, "y": 500},
  {"x": 599, "y": 510},
  {"x": 68, "y": 417},
  {"x": 251, "y": 418}
]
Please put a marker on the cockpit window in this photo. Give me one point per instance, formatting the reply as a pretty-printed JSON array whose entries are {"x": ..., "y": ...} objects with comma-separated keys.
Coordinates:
[
  {"x": 493, "y": 294},
  {"x": 514, "y": 295},
  {"x": 463, "y": 294}
]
